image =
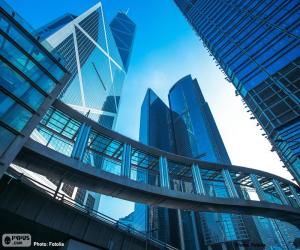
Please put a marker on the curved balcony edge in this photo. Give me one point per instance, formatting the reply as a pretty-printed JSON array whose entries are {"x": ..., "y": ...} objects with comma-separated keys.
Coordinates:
[{"x": 46, "y": 161}]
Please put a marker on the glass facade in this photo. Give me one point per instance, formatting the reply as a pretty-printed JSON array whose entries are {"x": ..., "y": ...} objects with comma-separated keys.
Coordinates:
[
  {"x": 156, "y": 130},
  {"x": 92, "y": 56},
  {"x": 197, "y": 136},
  {"x": 187, "y": 128},
  {"x": 54, "y": 26},
  {"x": 190, "y": 113},
  {"x": 123, "y": 31},
  {"x": 256, "y": 44},
  {"x": 28, "y": 75}
]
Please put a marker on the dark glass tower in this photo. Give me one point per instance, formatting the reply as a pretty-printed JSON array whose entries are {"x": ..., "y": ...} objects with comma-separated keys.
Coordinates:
[
  {"x": 256, "y": 44},
  {"x": 156, "y": 130},
  {"x": 197, "y": 136},
  {"x": 123, "y": 31},
  {"x": 191, "y": 113},
  {"x": 188, "y": 128}
]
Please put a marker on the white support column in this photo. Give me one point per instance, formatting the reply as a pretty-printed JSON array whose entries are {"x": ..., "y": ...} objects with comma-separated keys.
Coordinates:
[
  {"x": 81, "y": 142},
  {"x": 197, "y": 179},
  {"x": 280, "y": 192},
  {"x": 126, "y": 161},
  {"x": 229, "y": 184},
  {"x": 164, "y": 172},
  {"x": 295, "y": 194}
]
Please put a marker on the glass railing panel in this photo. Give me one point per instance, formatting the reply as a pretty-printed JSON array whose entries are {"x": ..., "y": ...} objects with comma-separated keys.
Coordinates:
[
  {"x": 104, "y": 153},
  {"x": 214, "y": 184},
  {"x": 180, "y": 177},
  {"x": 144, "y": 167}
]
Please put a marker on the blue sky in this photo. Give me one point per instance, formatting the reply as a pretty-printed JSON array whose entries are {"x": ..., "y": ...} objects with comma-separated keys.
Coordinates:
[{"x": 166, "y": 49}]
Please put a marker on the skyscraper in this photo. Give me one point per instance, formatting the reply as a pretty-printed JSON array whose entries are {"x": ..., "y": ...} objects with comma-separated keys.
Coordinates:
[
  {"x": 156, "y": 130},
  {"x": 123, "y": 31},
  {"x": 188, "y": 128},
  {"x": 203, "y": 140},
  {"x": 256, "y": 44},
  {"x": 93, "y": 56},
  {"x": 197, "y": 136}
]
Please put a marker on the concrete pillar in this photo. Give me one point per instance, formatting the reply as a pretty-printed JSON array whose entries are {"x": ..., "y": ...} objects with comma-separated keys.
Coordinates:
[
  {"x": 164, "y": 172},
  {"x": 197, "y": 179},
  {"x": 280, "y": 192},
  {"x": 229, "y": 184},
  {"x": 295, "y": 194},
  {"x": 261, "y": 194},
  {"x": 126, "y": 161},
  {"x": 81, "y": 142}
]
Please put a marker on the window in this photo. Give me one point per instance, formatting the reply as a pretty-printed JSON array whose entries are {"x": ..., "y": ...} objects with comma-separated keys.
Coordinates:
[
  {"x": 90, "y": 202},
  {"x": 12, "y": 113},
  {"x": 68, "y": 189},
  {"x": 6, "y": 139}
]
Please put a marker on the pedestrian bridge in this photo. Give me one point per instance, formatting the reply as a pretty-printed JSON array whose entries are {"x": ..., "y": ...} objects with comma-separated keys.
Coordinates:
[{"x": 76, "y": 150}]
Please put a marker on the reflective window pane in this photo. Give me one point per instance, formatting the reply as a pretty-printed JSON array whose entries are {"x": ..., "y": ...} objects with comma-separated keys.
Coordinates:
[
  {"x": 6, "y": 139},
  {"x": 12, "y": 113}
]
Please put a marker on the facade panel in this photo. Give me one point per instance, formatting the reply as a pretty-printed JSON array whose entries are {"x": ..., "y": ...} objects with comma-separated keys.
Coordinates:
[
  {"x": 197, "y": 136},
  {"x": 256, "y": 44},
  {"x": 30, "y": 80},
  {"x": 92, "y": 56},
  {"x": 123, "y": 31},
  {"x": 156, "y": 130}
]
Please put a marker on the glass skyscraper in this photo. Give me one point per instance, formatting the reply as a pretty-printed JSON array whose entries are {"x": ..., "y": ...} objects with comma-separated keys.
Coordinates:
[
  {"x": 93, "y": 52},
  {"x": 123, "y": 31},
  {"x": 256, "y": 44},
  {"x": 188, "y": 128},
  {"x": 30, "y": 80},
  {"x": 197, "y": 136},
  {"x": 191, "y": 113},
  {"x": 156, "y": 130}
]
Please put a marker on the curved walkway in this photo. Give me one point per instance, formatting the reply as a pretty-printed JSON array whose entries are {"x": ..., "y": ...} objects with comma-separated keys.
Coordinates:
[{"x": 82, "y": 153}]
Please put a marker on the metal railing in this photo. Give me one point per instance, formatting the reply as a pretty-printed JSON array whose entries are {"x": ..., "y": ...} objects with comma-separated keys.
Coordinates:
[
  {"x": 81, "y": 138},
  {"x": 64, "y": 199}
]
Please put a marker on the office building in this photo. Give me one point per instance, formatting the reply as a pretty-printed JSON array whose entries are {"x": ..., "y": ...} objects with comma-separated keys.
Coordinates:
[
  {"x": 188, "y": 128},
  {"x": 92, "y": 51},
  {"x": 156, "y": 130},
  {"x": 30, "y": 74},
  {"x": 197, "y": 136},
  {"x": 123, "y": 31},
  {"x": 256, "y": 44}
]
